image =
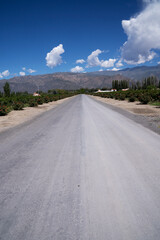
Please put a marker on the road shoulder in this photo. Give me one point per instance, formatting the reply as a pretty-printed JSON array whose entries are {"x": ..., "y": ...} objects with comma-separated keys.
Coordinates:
[
  {"x": 17, "y": 118},
  {"x": 146, "y": 115}
]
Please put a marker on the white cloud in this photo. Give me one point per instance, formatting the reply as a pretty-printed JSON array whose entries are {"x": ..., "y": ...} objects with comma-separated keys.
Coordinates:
[
  {"x": 143, "y": 33},
  {"x": 108, "y": 63},
  {"x": 6, "y": 73},
  {"x": 22, "y": 73},
  {"x": 119, "y": 63},
  {"x": 150, "y": 1},
  {"x": 100, "y": 70},
  {"x": 93, "y": 60},
  {"x": 77, "y": 69},
  {"x": 31, "y": 70},
  {"x": 158, "y": 62},
  {"x": 81, "y": 61},
  {"x": 1, "y": 76},
  {"x": 115, "y": 69},
  {"x": 54, "y": 58}
]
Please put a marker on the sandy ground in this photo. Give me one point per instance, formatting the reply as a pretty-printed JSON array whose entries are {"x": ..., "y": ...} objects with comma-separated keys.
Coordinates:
[
  {"x": 15, "y": 118},
  {"x": 152, "y": 113}
]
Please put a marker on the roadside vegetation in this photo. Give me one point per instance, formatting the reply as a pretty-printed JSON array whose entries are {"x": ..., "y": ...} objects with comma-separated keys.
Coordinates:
[
  {"x": 146, "y": 92},
  {"x": 18, "y": 100}
]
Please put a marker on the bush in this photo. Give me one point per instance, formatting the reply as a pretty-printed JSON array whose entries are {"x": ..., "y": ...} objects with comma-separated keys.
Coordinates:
[
  {"x": 122, "y": 97},
  {"x": 144, "y": 99},
  {"x": 46, "y": 99},
  {"x": 4, "y": 110},
  {"x": 18, "y": 106},
  {"x": 131, "y": 99},
  {"x": 33, "y": 103},
  {"x": 39, "y": 101},
  {"x": 116, "y": 96}
]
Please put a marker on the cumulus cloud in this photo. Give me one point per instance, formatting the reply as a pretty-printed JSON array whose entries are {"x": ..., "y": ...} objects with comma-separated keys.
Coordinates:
[
  {"x": 115, "y": 69},
  {"x": 6, "y": 73},
  {"x": 54, "y": 58},
  {"x": 22, "y": 73},
  {"x": 24, "y": 69},
  {"x": 108, "y": 63},
  {"x": 119, "y": 63},
  {"x": 143, "y": 33},
  {"x": 93, "y": 60},
  {"x": 81, "y": 61},
  {"x": 31, "y": 70},
  {"x": 77, "y": 69},
  {"x": 158, "y": 62}
]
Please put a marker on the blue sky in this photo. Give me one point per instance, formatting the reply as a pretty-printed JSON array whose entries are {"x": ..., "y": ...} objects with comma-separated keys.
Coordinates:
[{"x": 67, "y": 31}]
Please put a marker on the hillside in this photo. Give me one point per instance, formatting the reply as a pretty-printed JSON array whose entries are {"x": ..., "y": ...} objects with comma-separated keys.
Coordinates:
[
  {"x": 136, "y": 73},
  {"x": 59, "y": 81},
  {"x": 79, "y": 80}
]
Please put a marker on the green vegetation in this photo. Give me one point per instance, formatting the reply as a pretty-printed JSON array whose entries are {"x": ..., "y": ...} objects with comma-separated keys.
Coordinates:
[
  {"x": 148, "y": 83},
  {"x": 146, "y": 92},
  {"x": 119, "y": 85},
  {"x": 17, "y": 101},
  {"x": 143, "y": 96},
  {"x": 7, "y": 90}
]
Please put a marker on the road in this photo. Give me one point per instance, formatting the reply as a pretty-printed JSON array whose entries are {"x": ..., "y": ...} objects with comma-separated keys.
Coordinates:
[{"x": 80, "y": 172}]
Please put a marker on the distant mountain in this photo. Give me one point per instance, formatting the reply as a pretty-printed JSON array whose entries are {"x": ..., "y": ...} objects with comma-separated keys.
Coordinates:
[
  {"x": 136, "y": 73},
  {"x": 78, "y": 80},
  {"x": 68, "y": 81}
]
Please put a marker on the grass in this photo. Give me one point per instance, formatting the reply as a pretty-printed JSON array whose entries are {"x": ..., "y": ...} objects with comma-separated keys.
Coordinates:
[{"x": 155, "y": 104}]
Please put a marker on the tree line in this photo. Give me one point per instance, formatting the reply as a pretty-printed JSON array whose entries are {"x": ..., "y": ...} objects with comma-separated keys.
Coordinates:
[
  {"x": 150, "y": 82},
  {"x": 119, "y": 85}
]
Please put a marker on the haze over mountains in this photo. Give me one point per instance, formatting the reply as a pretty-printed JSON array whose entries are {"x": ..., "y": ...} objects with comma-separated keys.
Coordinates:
[{"x": 79, "y": 80}]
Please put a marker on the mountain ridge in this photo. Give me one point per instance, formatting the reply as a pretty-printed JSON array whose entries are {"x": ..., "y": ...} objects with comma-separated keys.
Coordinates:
[{"x": 72, "y": 81}]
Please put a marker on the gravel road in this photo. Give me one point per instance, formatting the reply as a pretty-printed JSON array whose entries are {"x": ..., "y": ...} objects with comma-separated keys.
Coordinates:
[{"x": 80, "y": 172}]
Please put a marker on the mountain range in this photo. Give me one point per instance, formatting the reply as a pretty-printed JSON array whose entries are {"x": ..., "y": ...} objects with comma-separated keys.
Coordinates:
[{"x": 72, "y": 81}]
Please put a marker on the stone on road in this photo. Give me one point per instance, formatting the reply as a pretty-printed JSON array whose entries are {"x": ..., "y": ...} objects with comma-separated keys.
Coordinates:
[{"x": 80, "y": 172}]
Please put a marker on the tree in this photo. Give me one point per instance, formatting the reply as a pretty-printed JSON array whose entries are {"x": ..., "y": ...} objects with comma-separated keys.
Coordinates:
[{"x": 7, "y": 90}]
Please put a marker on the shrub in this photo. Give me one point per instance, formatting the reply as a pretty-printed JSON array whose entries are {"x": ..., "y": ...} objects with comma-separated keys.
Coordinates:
[
  {"x": 144, "y": 99},
  {"x": 131, "y": 99},
  {"x": 122, "y": 97},
  {"x": 46, "y": 99},
  {"x": 4, "y": 110},
  {"x": 33, "y": 103},
  {"x": 116, "y": 96},
  {"x": 18, "y": 106},
  {"x": 39, "y": 101}
]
